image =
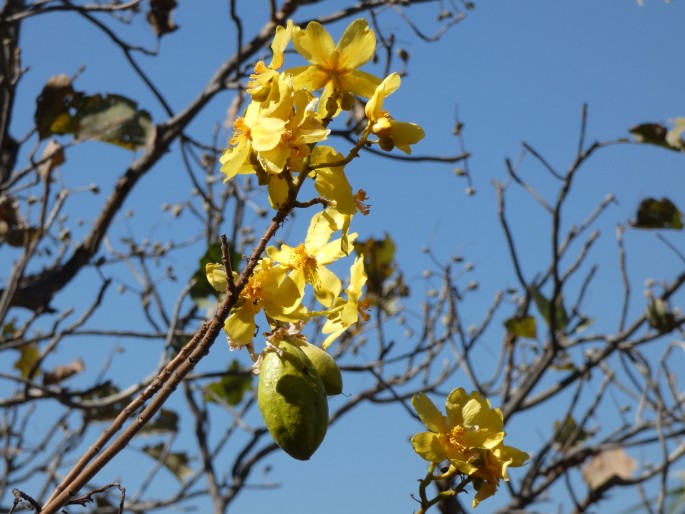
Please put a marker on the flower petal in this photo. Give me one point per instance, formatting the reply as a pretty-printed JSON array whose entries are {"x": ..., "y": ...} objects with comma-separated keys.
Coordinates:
[
  {"x": 327, "y": 287},
  {"x": 310, "y": 78},
  {"x": 314, "y": 43},
  {"x": 359, "y": 83},
  {"x": 240, "y": 325},
  {"x": 357, "y": 44},
  {"x": 429, "y": 414},
  {"x": 428, "y": 446},
  {"x": 279, "y": 44}
]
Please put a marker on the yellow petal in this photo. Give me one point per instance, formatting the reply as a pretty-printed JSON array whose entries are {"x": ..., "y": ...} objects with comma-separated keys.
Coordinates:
[
  {"x": 278, "y": 191},
  {"x": 233, "y": 159},
  {"x": 216, "y": 276},
  {"x": 240, "y": 325},
  {"x": 359, "y": 83},
  {"x": 314, "y": 43},
  {"x": 333, "y": 336},
  {"x": 266, "y": 133},
  {"x": 375, "y": 105},
  {"x": 486, "y": 490},
  {"x": 429, "y": 413},
  {"x": 470, "y": 411},
  {"x": 279, "y": 44},
  {"x": 357, "y": 44},
  {"x": 404, "y": 134},
  {"x": 428, "y": 446},
  {"x": 310, "y": 78},
  {"x": 327, "y": 287}
]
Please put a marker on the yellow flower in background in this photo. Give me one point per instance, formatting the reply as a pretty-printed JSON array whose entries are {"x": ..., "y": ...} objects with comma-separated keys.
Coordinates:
[
  {"x": 345, "y": 313},
  {"x": 308, "y": 260},
  {"x": 268, "y": 289},
  {"x": 469, "y": 426},
  {"x": 391, "y": 133},
  {"x": 334, "y": 67}
]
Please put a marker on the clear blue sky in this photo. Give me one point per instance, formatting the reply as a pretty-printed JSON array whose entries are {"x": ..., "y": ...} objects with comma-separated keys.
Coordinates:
[{"x": 516, "y": 71}]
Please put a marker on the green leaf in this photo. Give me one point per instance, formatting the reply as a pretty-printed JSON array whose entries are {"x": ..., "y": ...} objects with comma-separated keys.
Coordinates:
[
  {"x": 522, "y": 327},
  {"x": 28, "y": 357},
  {"x": 662, "y": 213},
  {"x": 166, "y": 421},
  {"x": 230, "y": 388},
  {"x": 659, "y": 135},
  {"x": 660, "y": 317},
  {"x": 544, "y": 307},
  {"x": 202, "y": 289},
  {"x": 176, "y": 462},
  {"x": 567, "y": 434},
  {"x": 110, "y": 118}
]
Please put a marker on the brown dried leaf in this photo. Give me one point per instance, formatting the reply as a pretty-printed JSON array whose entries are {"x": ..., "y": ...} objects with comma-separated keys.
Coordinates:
[
  {"x": 608, "y": 464},
  {"x": 159, "y": 16},
  {"x": 53, "y": 156},
  {"x": 63, "y": 372}
]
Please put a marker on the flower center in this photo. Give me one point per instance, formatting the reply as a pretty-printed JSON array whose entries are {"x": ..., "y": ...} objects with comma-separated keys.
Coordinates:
[
  {"x": 301, "y": 259},
  {"x": 362, "y": 308},
  {"x": 242, "y": 131},
  {"x": 457, "y": 439},
  {"x": 360, "y": 199}
]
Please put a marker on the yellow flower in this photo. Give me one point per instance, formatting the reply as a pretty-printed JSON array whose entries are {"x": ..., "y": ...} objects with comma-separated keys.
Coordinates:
[
  {"x": 301, "y": 130},
  {"x": 391, "y": 133},
  {"x": 308, "y": 260},
  {"x": 469, "y": 426},
  {"x": 269, "y": 289},
  {"x": 331, "y": 183},
  {"x": 345, "y": 313},
  {"x": 254, "y": 132},
  {"x": 492, "y": 467},
  {"x": 263, "y": 78},
  {"x": 334, "y": 67}
]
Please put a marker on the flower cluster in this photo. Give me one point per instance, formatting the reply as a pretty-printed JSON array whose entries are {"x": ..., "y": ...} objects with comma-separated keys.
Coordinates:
[
  {"x": 470, "y": 437},
  {"x": 279, "y": 139}
]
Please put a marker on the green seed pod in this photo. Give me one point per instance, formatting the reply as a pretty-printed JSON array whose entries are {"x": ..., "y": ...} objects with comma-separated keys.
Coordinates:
[
  {"x": 292, "y": 400},
  {"x": 325, "y": 365}
]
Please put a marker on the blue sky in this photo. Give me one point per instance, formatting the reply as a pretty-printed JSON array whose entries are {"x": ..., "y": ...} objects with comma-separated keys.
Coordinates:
[{"x": 514, "y": 71}]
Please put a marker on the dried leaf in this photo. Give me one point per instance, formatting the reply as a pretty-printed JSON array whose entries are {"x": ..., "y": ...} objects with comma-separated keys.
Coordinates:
[
  {"x": 113, "y": 119},
  {"x": 53, "y": 156},
  {"x": 52, "y": 107},
  {"x": 110, "y": 118},
  {"x": 657, "y": 214},
  {"x": 659, "y": 135},
  {"x": 159, "y": 16},
  {"x": 379, "y": 264},
  {"x": 176, "y": 462},
  {"x": 13, "y": 229},
  {"x": 61, "y": 373},
  {"x": 607, "y": 465}
]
